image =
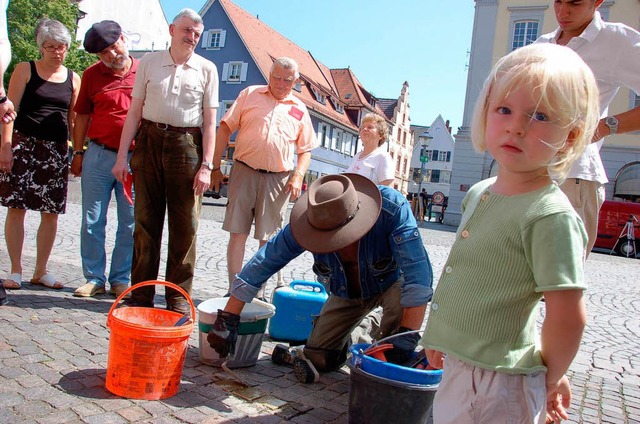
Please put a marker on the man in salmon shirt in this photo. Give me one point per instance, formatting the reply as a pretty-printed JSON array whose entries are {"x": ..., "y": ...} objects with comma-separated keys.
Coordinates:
[
  {"x": 102, "y": 106},
  {"x": 273, "y": 127}
]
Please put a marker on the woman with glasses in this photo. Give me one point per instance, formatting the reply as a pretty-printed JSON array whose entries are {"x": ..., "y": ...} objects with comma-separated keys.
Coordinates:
[
  {"x": 373, "y": 161},
  {"x": 33, "y": 152}
]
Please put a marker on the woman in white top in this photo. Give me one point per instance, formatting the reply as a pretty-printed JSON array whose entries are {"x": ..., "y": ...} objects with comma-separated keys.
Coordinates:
[{"x": 373, "y": 161}]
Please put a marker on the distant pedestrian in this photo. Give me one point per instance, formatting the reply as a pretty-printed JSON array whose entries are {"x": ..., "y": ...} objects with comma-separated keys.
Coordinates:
[
  {"x": 519, "y": 239},
  {"x": 373, "y": 161}
]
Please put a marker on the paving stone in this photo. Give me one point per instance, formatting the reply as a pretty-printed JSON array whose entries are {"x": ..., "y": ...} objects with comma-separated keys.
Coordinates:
[
  {"x": 59, "y": 417},
  {"x": 58, "y": 347},
  {"x": 134, "y": 413}
]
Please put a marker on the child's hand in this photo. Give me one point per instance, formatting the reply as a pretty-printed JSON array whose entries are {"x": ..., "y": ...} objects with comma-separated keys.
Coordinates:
[
  {"x": 435, "y": 358},
  {"x": 558, "y": 400}
]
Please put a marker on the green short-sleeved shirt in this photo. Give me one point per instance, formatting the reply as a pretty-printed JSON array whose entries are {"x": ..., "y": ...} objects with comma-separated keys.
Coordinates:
[{"x": 508, "y": 251}]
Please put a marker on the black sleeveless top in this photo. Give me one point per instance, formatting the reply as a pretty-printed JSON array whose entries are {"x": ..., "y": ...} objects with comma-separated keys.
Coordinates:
[{"x": 44, "y": 108}]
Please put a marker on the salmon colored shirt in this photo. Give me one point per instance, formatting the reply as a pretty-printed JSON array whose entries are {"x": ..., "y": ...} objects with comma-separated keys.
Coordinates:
[{"x": 271, "y": 132}]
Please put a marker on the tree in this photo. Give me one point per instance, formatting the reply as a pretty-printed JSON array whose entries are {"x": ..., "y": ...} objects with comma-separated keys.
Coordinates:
[{"x": 22, "y": 18}]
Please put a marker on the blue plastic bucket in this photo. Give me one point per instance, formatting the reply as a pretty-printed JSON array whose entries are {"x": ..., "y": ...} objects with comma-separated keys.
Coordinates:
[
  {"x": 391, "y": 371},
  {"x": 381, "y": 392}
]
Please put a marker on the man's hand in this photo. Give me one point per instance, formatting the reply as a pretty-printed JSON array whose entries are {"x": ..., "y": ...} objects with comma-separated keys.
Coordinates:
[
  {"x": 202, "y": 181},
  {"x": 224, "y": 332},
  {"x": 294, "y": 186},
  {"x": 216, "y": 180},
  {"x": 403, "y": 347},
  {"x": 558, "y": 400},
  {"x": 435, "y": 358},
  {"x": 121, "y": 170},
  {"x": 7, "y": 112},
  {"x": 76, "y": 165}
]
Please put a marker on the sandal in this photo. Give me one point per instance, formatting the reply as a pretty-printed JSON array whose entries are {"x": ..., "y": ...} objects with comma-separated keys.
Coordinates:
[
  {"x": 48, "y": 280},
  {"x": 12, "y": 282}
]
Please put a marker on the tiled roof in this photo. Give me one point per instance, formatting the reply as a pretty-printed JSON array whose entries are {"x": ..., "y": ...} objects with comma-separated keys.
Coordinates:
[
  {"x": 352, "y": 93},
  {"x": 265, "y": 44}
]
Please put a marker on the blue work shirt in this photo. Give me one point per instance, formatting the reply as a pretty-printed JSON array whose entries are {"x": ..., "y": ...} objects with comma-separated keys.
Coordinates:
[{"x": 392, "y": 250}]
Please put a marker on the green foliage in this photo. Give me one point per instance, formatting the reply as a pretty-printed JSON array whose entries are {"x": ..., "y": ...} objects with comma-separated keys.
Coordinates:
[{"x": 22, "y": 18}]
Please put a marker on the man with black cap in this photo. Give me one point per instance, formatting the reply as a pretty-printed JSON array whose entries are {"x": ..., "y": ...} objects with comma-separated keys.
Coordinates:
[
  {"x": 102, "y": 106},
  {"x": 366, "y": 248}
]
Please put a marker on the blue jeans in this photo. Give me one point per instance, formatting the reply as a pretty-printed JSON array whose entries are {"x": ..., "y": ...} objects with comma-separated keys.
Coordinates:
[{"x": 97, "y": 183}]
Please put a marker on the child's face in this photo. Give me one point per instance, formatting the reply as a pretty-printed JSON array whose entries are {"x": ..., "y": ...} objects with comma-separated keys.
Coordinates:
[{"x": 521, "y": 135}]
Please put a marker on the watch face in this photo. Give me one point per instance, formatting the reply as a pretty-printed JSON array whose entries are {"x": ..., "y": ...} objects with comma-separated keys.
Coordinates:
[{"x": 612, "y": 121}]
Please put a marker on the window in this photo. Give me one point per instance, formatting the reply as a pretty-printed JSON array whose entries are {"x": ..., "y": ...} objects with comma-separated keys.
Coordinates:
[
  {"x": 225, "y": 105},
  {"x": 524, "y": 25},
  {"x": 234, "y": 72},
  {"x": 298, "y": 86},
  {"x": 338, "y": 107},
  {"x": 435, "y": 176},
  {"x": 443, "y": 156},
  {"x": 213, "y": 39},
  {"x": 323, "y": 135},
  {"x": 524, "y": 33},
  {"x": 448, "y": 156},
  {"x": 337, "y": 140},
  {"x": 320, "y": 97},
  {"x": 445, "y": 177}
]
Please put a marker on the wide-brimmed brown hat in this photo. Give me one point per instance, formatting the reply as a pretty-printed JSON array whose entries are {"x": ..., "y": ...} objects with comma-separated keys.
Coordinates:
[{"x": 336, "y": 211}]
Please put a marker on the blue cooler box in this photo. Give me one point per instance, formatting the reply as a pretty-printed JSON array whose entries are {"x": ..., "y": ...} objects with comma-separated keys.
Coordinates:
[{"x": 296, "y": 306}]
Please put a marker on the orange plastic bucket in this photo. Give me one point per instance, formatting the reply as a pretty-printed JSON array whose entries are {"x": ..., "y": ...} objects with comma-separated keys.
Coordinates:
[{"x": 146, "y": 350}]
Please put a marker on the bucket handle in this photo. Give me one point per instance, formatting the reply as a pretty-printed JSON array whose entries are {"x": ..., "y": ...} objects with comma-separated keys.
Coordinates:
[
  {"x": 152, "y": 283},
  {"x": 313, "y": 284}
]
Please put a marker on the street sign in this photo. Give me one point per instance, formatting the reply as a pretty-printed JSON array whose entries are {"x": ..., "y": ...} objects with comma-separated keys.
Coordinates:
[{"x": 424, "y": 159}]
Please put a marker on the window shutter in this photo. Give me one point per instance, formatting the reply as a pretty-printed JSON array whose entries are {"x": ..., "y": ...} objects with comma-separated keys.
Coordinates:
[
  {"x": 206, "y": 39},
  {"x": 225, "y": 71},
  {"x": 243, "y": 71},
  {"x": 223, "y": 36}
]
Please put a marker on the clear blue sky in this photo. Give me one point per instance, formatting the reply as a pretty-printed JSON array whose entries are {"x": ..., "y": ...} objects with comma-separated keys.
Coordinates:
[{"x": 423, "y": 42}]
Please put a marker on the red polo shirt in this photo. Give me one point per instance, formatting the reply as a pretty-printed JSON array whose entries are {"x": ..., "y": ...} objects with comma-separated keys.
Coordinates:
[{"x": 107, "y": 98}]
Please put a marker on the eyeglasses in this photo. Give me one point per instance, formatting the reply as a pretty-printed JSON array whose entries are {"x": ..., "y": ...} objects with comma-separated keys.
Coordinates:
[
  {"x": 369, "y": 128},
  {"x": 58, "y": 48}
]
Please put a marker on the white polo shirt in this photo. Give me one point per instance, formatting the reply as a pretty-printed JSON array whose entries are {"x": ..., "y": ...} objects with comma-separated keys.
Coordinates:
[
  {"x": 176, "y": 94},
  {"x": 612, "y": 51}
]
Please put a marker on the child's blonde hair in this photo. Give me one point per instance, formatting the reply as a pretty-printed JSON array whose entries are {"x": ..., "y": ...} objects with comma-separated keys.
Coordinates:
[{"x": 566, "y": 88}]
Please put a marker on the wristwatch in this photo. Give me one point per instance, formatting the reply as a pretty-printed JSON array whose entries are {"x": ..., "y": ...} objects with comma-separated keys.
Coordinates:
[
  {"x": 78, "y": 152},
  {"x": 612, "y": 123},
  {"x": 208, "y": 165}
]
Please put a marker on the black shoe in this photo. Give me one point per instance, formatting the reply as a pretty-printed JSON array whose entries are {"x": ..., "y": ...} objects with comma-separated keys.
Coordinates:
[
  {"x": 179, "y": 305},
  {"x": 281, "y": 355},
  {"x": 303, "y": 369}
]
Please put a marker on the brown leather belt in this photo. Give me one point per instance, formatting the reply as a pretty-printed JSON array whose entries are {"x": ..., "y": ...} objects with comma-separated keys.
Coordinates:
[
  {"x": 171, "y": 128},
  {"x": 262, "y": 171}
]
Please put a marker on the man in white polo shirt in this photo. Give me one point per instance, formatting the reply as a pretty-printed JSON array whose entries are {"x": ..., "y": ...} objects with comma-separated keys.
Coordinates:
[
  {"x": 172, "y": 117},
  {"x": 612, "y": 51}
]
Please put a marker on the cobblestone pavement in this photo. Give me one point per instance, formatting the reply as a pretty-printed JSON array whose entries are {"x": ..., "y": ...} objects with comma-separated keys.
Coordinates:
[{"x": 53, "y": 347}]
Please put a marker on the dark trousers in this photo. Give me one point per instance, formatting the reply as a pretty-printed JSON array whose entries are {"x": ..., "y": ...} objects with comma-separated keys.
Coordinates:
[{"x": 164, "y": 165}]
